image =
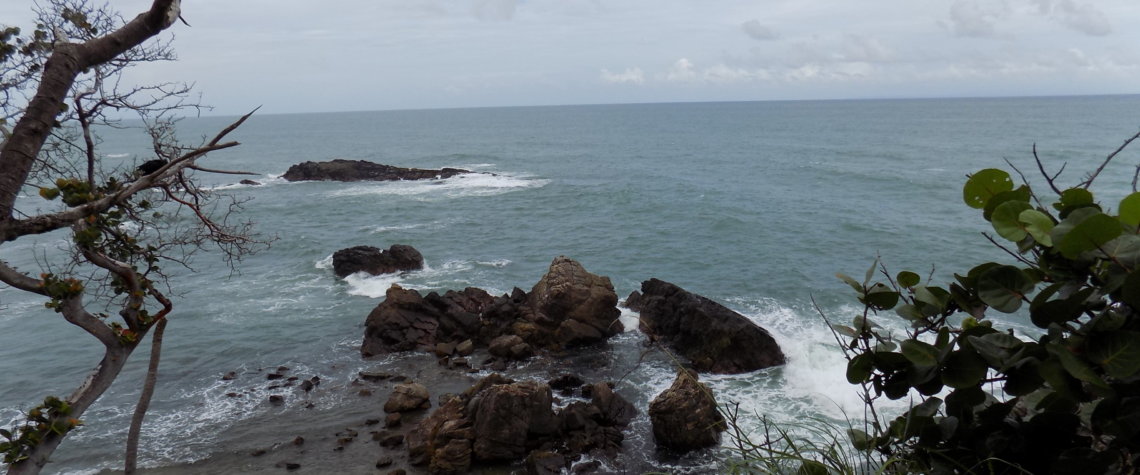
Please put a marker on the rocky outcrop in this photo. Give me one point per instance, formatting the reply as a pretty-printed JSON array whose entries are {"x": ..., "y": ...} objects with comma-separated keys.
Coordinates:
[
  {"x": 685, "y": 416},
  {"x": 568, "y": 307},
  {"x": 405, "y": 320},
  {"x": 499, "y": 420},
  {"x": 360, "y": 170},
  {"x": 713, "y": 338},
  {"x": 374, "y": 261},
  {"x": 408, "y": 397}
]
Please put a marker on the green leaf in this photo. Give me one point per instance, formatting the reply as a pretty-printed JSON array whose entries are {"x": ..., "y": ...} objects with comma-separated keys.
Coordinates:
[
  {"x": 909, "y": 312},
  {"x": 859, "y": 368},
  {"x": 1004, "y": 288},
  {"x": 996, "y": 348},
  {"x": 1074, "y": 366},
  {"x": 1130, "y": 209},
  {"x": 963, "y": 369},
  {"x": 811, "y": 467},
  {"x": 1090, "y": 234},
  {"x": 1038, "y": 225},
  {"x": 1124, "y": 250},
  {"x": 1074, "y": 198},
  {"x": 844, "y": 330},
  {"x": 1022, "y": 193},
  {"x": 1117, "y": 352},
  {"x": 852, "y": 282},
  {"x": 907, "y": 279},
  {"x": 1007, "y": 220},
  {"x": 920, "y": 353},
  {"x": 860, "y": 440},
  {"x": 880, "y": 297},
  {"x": 983, "y": 185}
]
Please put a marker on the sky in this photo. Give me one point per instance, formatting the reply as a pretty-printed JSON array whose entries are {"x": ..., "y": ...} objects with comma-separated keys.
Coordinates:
[{"x": 341, "y": 55}]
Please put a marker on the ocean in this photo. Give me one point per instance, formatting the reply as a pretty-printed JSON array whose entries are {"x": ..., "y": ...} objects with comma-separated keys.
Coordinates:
[{"x": 755, "y": 205}]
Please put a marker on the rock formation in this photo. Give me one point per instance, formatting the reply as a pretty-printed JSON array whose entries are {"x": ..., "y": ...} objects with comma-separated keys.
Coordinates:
[
  {"x": 685, "y": 416},
  {"x": 360, "y": 170},
  {"x": 568, "y": 307},
  {"x": 713, "y": 338},
  {"x": 499, "y": 420},
  {"x": 374, "y": 261}
]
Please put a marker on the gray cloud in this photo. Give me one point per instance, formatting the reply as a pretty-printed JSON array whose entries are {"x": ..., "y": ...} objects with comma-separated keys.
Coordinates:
[
  {"x": 630, "y": 76},
  {"x": 495, "y": 10},
  {"x": 973, "y": 19},
  {"x": 758, "y": 31},
  {"x": 1084, "y": 18}
]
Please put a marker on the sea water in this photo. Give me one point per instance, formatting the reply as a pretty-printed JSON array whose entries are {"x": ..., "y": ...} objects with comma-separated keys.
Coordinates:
[{"x": 755, "y": 205}]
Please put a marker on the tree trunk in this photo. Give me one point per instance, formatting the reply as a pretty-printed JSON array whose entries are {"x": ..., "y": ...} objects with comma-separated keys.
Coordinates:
[{"x": 97, "y": 382}]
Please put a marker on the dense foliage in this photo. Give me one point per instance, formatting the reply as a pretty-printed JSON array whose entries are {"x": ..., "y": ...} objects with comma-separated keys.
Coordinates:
[{"x": 1064, "y": 400}]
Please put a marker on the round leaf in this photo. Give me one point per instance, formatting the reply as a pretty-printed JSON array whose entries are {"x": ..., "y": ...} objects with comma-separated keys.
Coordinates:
[
  {"x": 1130, "y": 209},
  {"x": 1004, "y": 288},
  {"x": 1007, "y": 220},
  {"x": 1089, "y": 235},
  {"x": 908, "y": 279},
  {"x": 920, "y": 353},
  {"x": 963, "y": 369},
  {"x": 1038, "y": 225},
  {"x": 983, "y": 185}
]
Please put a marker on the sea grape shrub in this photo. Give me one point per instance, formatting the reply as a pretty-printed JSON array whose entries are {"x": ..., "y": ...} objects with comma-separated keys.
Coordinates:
[{"x": 987, "y": 399}]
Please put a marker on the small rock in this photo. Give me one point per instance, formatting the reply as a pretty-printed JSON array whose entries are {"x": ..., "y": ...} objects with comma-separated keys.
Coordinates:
[
  {"x": 587, "y": 467},
  {"x": 316, "y": 380},
  {"x": 310, "y": 405},
  {"x": 258, "y": 452},
  {"x": 384, "y": 462},
  {"x": 250, "y": 182},
  {"x": 365, "y": 392},
  {"x": 371, "y": 422},
  {"x": 273, "y": 386},
  {"x": 374, "y": 376},
  {"x": 229, "y": 376},
  {"x": 392, "y": 441},
  {"x": 444, "y": 349},
  {"x": 233, "y": 395},
  {"x": 459, "y": 363},
  {"x": 408, "y": 397},
  {"x": 306, "y": 386},
  {"x": 272, "y": 376},
  {"x": 276, "y": 400},
  {"x": 465, "y": 348},
  {"x": 566, "y": 382},
  {"x": 544, "y": 463},
  {"x": 292, "y": 378},
  {"x": 392, "y": 420},
  {"x": 282, "y": 369},
  {"x": 398, "y": 471},
  {"x": 299, "y": 440},
  {"x": 292, "y": 466}
]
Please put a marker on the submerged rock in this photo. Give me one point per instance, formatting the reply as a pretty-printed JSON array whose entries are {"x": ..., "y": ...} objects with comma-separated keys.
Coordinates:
[
  {"x": 360, "y": 170},
  {"x": 374, "y": 261},
  {"x": 713, "y": 338},
  {"x": 685, "y": 416}
]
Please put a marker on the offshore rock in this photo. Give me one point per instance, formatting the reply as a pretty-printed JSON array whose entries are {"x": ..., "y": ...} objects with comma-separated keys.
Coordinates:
[
  {"x": 713, "y": 338},
  {"x": 499, "y": 420},
  {"x": 405, "y": 320},
  {"x": 573, "y": 307},
  {"x": 360, "y": 170},
  {"x": 568, "y": 307},
  {"x": 374, "y": 261},
  {"x": 685, "y": 417}
]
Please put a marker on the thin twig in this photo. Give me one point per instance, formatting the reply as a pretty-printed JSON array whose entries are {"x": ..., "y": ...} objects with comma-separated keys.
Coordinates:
[
  {"x": 1103, "y": 164},
  {"x": 1044, "y": 174},
  {"x": 1014, "y": 254}
]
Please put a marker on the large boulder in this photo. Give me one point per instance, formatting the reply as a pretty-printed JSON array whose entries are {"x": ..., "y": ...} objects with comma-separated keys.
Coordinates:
[
  {"x": 573, "y": 306},
  {"x": 372, "y": 260},
  {"x": 410, "y": 396},
  {"x": 405, "y": 320},
  {"x": 360, "y": 170},
  {"x": 713, "y": 338},
  {"x": 499, "y": 420},
  {"x": 685, "y": 416}
]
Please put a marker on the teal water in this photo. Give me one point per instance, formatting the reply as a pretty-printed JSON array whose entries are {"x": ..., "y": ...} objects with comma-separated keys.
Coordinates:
[{"x": 755, "y": 205}]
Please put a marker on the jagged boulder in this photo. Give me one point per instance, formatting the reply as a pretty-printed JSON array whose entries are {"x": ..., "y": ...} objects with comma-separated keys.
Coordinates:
[
  {"x": 685, "y": 416},
  {"x": 713, "y": 338},
  {"x": 499, "y": 420},
  {"x": 405, "y": 320},
  {"x": 372, "y": 260},
  {"x": 573, "y": 306},
  {"x": 410, "y": 396},
  {"x": 361, "y": 170}
]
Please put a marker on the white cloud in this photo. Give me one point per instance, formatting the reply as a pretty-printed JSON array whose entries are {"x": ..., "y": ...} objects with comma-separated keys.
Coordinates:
[
  {"x": 495, "y": 10},
  {"x": 973, "y": 19},
  {"x": 758, "y": 31},
  {"x": 682, "y": 71},
  {"x": 1084, "y": 18},
  {"x": 629, "y": 76}
]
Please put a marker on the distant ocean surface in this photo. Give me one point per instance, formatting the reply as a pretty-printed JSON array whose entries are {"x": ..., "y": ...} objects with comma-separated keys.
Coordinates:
[{"x": 755, "y": 205}]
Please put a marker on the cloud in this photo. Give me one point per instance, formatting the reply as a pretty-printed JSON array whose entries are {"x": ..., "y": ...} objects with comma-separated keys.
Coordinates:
[
  {"x": 758, "y": 31},
  {"x": 682, "y": 71},
  {"x": 495, "y": 10},
  {"x": 629, "y": 76},
  {"x": 1084, "y": 18},
  {"x": 972, "y": 19}
]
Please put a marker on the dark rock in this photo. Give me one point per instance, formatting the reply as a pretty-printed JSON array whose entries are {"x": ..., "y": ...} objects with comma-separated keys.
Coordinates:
[
  {"x": 392, "y": 441},
  {"x": 372, "y": 260},
  {"x": 299, "y": 440},
  {"x": 364, "y": 392},
  {"x": 233, "y": 395},
  {"x": 575, "y": 306},
  {"x": 400, "y": 471},
  {"x": 408, "y": 397},
  {"x": 405, "y": 320},
  {"x": 508, "y": 416},
  {"x": 292, "y": 466},
  {"x": 229, "y": 376},
  {"x": 276, "y": 400},
  {"x": 685, "y": 417},
  {"x": 360, "y": 170},
  {"x": 587, "y": 467},
  {"x": 444, "y": 349},
  {"x": 465, "y": 348},
  {"x": 274, "y": 376},
  {"x": 374, "y": 376},
  {"x": 282, "y": 369},
  {"x": 713, "y": 338},
  {"x": 541, "y": 462},
  {"x": 258, "y": 453},
  {"x": 566, "y": 382},
  {"x": 633, "y": 302},
  {"x": 614, "y": 409},
  {"x": 250, "y": 182},
  {"x": 510, "y": 347},
  {"x": 392, "y": 420},
  {"x": 384, "y": 461},
  {"x": 306, "y": 385}
]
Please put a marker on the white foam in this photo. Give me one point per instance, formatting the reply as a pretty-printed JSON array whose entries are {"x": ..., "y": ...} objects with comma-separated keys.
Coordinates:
[
  {"x": 630, "y": 320},
  {"x": 497, "y": 263},
  {"x": 372, "y": 286},
  {"x": 118, "y": 155},
  {"x": 461, "y": 186},
  {"x": 325, "y": 263}
]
